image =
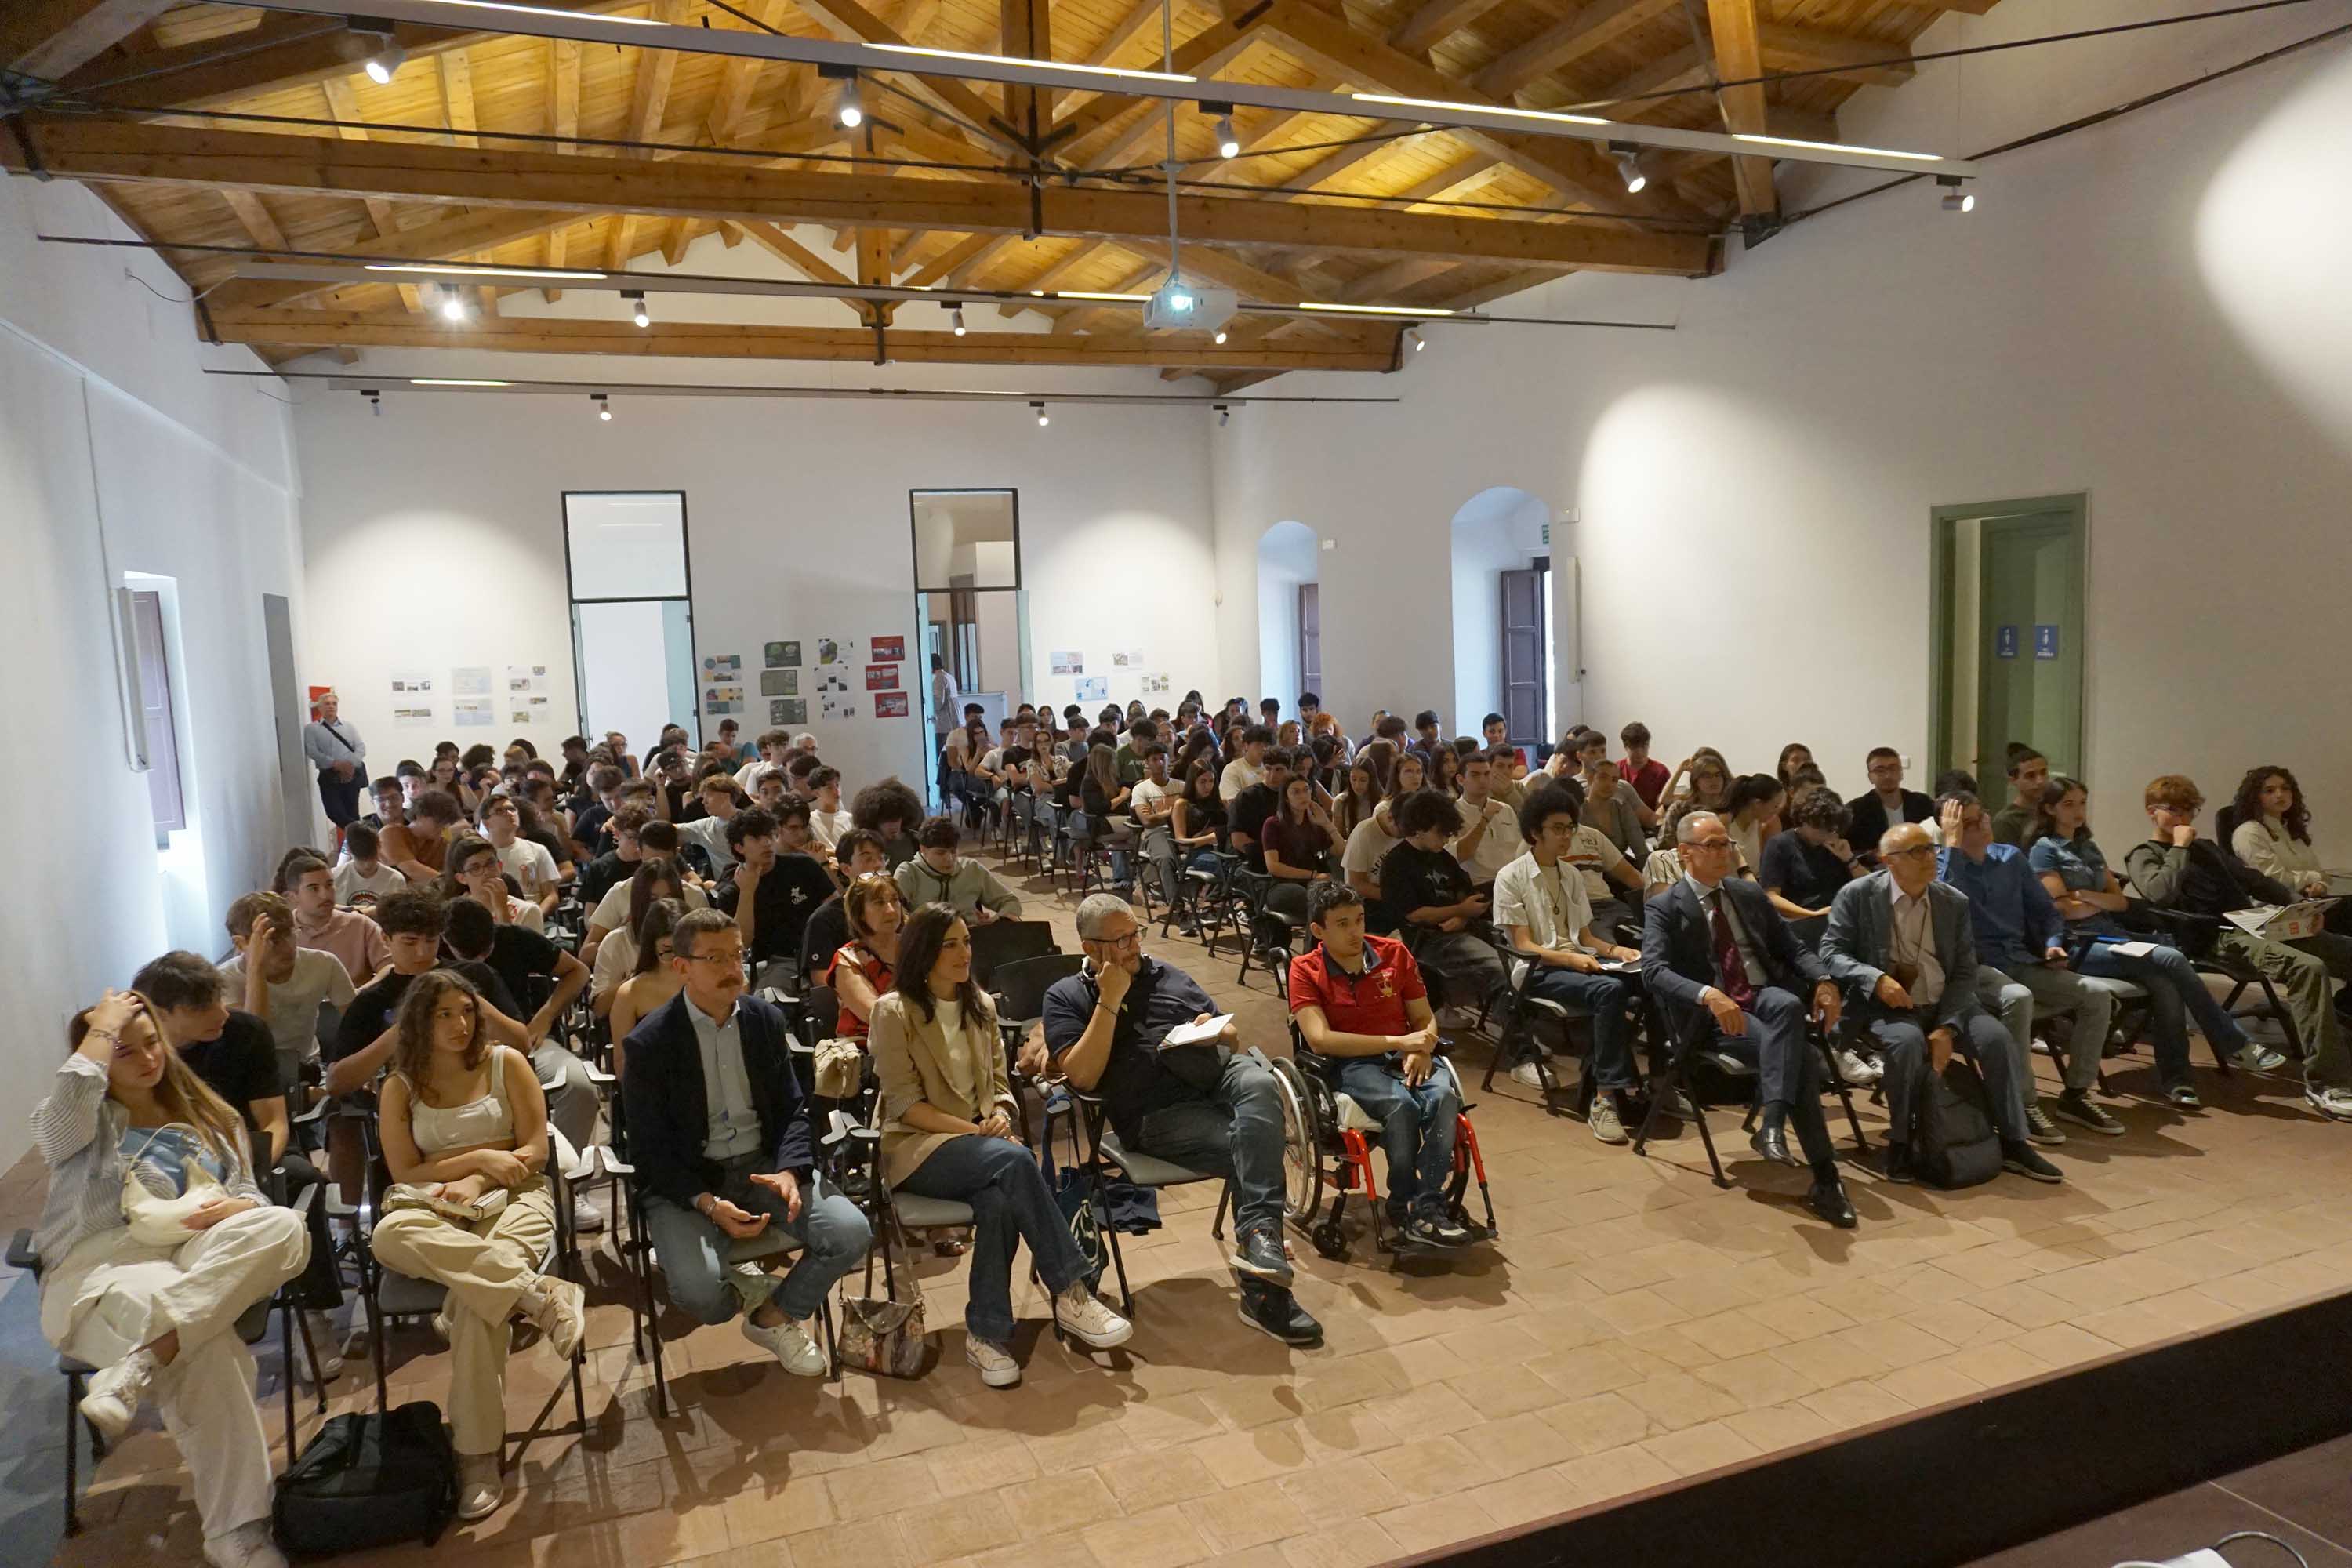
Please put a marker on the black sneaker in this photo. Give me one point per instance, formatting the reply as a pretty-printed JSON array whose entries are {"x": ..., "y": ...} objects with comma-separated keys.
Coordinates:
[
  {"x": 1896, "y": 1164},
  {"x": 2020, "y": 1158},
  {"x": 2077, "y": 1108},
  {"x": 2038, "y": 1128},
  {"x": 1259, "y": 1255},
  {"x": 1276, "y": 1313},
  {"x": 1424, "y": 1231},
  {"x": 1449, "y": 1231}
]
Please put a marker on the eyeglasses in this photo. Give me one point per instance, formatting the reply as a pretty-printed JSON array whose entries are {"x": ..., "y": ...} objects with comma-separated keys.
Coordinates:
[
  {"x": 726, "y": 960},
  {"x": 1707, "y": 843},
  {"x": 1130, "y": 939}
]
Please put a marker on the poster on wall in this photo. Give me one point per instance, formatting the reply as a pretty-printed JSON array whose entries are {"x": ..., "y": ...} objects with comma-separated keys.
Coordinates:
[
  {"x": 833, "y": 700},
  {"x": 1154, "y": 685},
  {"x": 788, "y": 710},
  {"x": 723, "y": 700},
  {"x": 721, "y": 666},
  {"x": 526, "y": 677},
  {"x": 889, "y": 650},
  {"x": 411, "y": 683},
  {"x": 472, "y": 712},
  {"x": 317, "y": 692},
  {"x": 413, "y": 717},
  {"x": 890, "y": 705},
  {"x": 780, "y": 654},
  {"x": 836, "y": 650},
  {"x": 1069, "y": 663},
  {"x": 779, "y": 683},
  {"x": 470, "y": 680},
  {"x": 881, "y": 678},
  {"x": 1094, "y": 688}
]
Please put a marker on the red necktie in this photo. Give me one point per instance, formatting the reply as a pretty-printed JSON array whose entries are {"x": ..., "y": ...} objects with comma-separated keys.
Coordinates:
[{"x": 1731, "y": 969}]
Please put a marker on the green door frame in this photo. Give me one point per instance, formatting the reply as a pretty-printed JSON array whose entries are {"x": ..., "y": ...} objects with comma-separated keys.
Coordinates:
[{"x": 1942, "y": 527}]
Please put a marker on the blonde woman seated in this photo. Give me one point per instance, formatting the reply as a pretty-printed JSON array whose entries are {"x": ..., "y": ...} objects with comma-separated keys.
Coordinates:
[
  {"x": 860, "y": 970},
  {"x": 155, "y": 1241},
  {"x": 653, "y": 981},
  {"x": 947, "y": 1132},
  {"x": 465, "y": 1133}
]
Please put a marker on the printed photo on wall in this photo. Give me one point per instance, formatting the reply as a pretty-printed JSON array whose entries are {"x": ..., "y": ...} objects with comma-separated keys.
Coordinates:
[
  {"x": 779, "y": 683},
  {"x": 1069, "y": 663},
  {"x": 889, "y": 650},
  {"x": 1094, "y": 688},
  {"x": 788, "y": 710},
  {"x": 778, "y": 655},
  {"x": 835, "y": 650},
  {"x": 717, "y": 665},
  {"x": 890, "y": 705},
  {"x": 881, "y": 678}
]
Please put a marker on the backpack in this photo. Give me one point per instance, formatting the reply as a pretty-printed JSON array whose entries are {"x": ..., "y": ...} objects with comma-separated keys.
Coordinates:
[
  {"x": 368, "y": 1479},
  {"x": 1953, "y": 1141}
]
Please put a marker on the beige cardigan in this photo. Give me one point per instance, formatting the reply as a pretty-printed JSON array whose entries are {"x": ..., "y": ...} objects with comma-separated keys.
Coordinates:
[{"x": 960, "y": 1076}]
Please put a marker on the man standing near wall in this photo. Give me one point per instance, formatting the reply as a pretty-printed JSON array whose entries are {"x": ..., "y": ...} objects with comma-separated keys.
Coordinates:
[
  {"x": 339, "y": 753},
  {"x": 944, "y": 716}
]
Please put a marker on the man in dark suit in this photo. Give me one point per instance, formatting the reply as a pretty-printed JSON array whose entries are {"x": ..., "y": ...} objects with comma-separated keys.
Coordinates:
[
  {"x": 1885, "y": 804},
  {"x": 1904, "y": 946},
  {"x": 1712, "y": 944},
  {"x": 720, "y": 1139}
]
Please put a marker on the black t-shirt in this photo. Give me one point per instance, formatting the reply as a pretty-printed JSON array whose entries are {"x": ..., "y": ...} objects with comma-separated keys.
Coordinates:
[
  {"x": 1807, "y": 874},
  {"x": 600, "y": 875},
  {"x": 1250, "y": 810},
  {"x": 821, "y": 937},
  {"x": 1414, "y": 878},
  {"x": 370, "y": 1012},
  {"x": 791, "y": 889},
  {"x": 518, "y": 955},
  {"x": 588, "y": 823},
  {"x": 240, "y": 1065},
  {"x": 1134, "y": 1082},
  {"x": 546, "y": 838}
]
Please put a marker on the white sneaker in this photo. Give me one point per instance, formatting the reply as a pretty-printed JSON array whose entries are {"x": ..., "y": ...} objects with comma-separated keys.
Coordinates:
[
  {"x": 558, "y": 1309},
  {"x": 1604, "y": 1121},
  {"x": 1085, "y": 1318},
  {"x": 1859, "y": 1071},
  {"x": 2335, "y": 1104},
  {"x": 246, "y": 1546},
  {"x": 2257, "y": 1057},
  {"x": 790, "y": 1344},
  {"x": 587, "y": 1219},
  {"x": 480, "y": 1487},
  {"x": 1525, "y": 1073},
  {"x": 326, "y": 1361},
  {"x": 112, "y": 1400},
  {"x": 995, "y": 1363}
]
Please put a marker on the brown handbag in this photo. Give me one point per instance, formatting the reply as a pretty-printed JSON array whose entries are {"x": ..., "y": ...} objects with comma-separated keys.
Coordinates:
[{"x": 882, "y": 1334}]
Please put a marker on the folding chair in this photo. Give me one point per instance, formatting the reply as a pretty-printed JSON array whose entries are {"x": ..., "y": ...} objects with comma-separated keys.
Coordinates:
[
  {"x": 1675, "y": 1074},
  {"x": 1002, "y": 942},
  {"x": 1104, "y": 1151}
]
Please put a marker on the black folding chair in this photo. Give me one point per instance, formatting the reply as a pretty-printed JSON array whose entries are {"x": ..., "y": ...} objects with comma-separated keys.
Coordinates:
[{"x": 1005, "y": 941}]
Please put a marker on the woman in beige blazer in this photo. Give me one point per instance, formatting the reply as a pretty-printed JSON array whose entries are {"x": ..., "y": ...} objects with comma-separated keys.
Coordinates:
[{"x": 947, "y": 1132}]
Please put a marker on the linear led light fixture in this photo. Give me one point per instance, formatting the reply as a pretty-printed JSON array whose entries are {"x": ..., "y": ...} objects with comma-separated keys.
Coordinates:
[
  {"x": 456, "y": 269},
  {"x": 1411, "y": 312},
  {"x": 453, "y": 381},
  {"x": 741, "y": 42},
  {"x": 338, "y": 381}
]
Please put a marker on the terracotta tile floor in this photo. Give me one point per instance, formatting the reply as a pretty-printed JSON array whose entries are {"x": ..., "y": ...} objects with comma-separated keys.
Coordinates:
[{"x": 1635, "y": 1325}]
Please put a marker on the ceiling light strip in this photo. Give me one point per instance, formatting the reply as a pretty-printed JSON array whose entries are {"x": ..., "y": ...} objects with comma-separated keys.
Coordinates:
[
  {"x": 743, "y": 44},
  {"x": 344, "y": 381}
]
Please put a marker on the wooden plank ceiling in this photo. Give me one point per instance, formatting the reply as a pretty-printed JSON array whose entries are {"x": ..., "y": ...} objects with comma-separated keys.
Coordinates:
[{"x": 415, "y": 168}]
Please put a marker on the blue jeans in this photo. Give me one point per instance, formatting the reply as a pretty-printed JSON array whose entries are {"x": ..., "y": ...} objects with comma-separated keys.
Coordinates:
[
  {"x": 1234, "y": 1131},
  {"x": 2174, "y": 993},
  {"x": 693, "y": 1250},
  {"x": 1010, "y": 1204},
  {"x": 1080, "y": 827},
  {"x": 1416, "y": 1129},
  {"x": 1603, "y": 997}
]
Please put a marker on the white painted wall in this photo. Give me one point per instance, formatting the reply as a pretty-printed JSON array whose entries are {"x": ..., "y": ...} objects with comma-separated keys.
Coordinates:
[
  {"x": 2151, "y": 310},
  {"x": 798, "y": 526},
  {"x": 116, "y": 455}
]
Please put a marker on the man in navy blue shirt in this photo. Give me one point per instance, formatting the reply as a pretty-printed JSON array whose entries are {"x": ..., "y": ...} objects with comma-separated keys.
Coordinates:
[{"x": 2021, "y": 959}]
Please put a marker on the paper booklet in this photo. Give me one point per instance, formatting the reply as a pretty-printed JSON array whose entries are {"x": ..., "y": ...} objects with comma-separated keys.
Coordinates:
[
  {"x": 1200, "y": 1034},
  {"x": 2292, "y": 923}
]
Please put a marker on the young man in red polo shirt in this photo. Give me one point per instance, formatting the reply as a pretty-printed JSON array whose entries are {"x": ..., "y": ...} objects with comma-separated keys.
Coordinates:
[{"x": 1360, "y": 999}]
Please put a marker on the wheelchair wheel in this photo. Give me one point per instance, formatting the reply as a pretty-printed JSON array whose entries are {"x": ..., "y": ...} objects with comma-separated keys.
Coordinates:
[{"x": 1302, "y": 1144}]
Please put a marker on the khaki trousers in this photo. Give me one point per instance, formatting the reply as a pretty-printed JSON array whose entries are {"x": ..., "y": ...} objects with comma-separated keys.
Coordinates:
[{"x": 485, "y": 1268}]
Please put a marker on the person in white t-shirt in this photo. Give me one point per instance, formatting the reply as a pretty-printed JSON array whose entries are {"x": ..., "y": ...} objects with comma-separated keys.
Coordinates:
[
  {"x": 1247, "y": 769},
  {"x": 280, "y": 981},
  {"x": 1369, "y": 843},
  {"x": 364, "y": 876},
  {"x": 776, "y": 750},
  {"x": 1489, "y": 836},
  {"x": 828, "y": 818},
  {"x": 1152, "y": 801},
  {"x": 474, "y": 872},
  {"x": 530, "y": 864}
]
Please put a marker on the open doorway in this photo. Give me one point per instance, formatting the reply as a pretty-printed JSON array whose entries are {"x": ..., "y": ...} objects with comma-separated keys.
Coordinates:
[
  {"x": 973, "y": 611},
  {"x": 624, "y": 557},
  {"x": 1502, "y": 616},
  {"x": 1290, "y": 614},
  {"x": 2008, "y": 649}
]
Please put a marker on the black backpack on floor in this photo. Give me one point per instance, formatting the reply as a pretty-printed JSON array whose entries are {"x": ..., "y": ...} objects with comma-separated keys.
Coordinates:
[
  {"x": 368, "y": 1479},
  {"x": 1954, "y": 1144}
]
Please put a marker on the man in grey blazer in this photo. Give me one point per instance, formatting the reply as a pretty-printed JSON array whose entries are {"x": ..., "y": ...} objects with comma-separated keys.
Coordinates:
[{"x": 1902, "y": 945}]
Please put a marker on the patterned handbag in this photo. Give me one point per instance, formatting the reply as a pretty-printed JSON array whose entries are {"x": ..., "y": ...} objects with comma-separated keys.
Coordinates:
[{"x": 882, "y": 1334}]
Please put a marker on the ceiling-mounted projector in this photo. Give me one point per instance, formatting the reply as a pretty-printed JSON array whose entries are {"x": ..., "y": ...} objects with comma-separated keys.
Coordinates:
[{"x": 1178, "y": 306}]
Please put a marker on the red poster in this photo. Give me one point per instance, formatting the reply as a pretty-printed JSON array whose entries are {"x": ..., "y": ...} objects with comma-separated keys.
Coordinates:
[
  {"x": 890, "y": 651},
  {"x": 890, "y": 705},
  {"x": 881, "y": 678},
  {"x": 317, "y": 692}
]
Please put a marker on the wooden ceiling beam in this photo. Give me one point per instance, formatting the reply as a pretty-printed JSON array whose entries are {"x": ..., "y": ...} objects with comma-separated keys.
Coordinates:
[
  {"x": 112, "y": 150},
  {"x": 648, "y": 108},
  {"x": 1590, "y": 27},
  {"x": 792, "y": 253},
  {"x": 562, "y": 119},
  {"x": 458, "y": 96},
  {"x": 342, "y": 106},
  {"x": 971, "y": 249},
  {"x": 1435, "y": 20},
  {"x": 738, "y": 81},
  {"x": 852, "y": 21},
  {"x": 255, "y": 219},
  {"x": 1203, "y": 54},
  {"x": 1025, "y": 31},
  {"x": 1370, "y": 348},
  {"x": 1865, "y": 60},
  {"x": 48, "y": 38},
  {"x": 459, "y": 235},
  {"x": 1737, "y": 58}
]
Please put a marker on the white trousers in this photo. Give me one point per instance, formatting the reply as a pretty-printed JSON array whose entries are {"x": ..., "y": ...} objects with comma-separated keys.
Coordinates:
[{"x": 124, "y": 1296}]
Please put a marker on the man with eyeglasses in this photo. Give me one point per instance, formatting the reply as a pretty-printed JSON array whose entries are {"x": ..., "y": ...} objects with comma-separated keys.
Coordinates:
[
  {"x": 721, "y": 1138},
  {"x": 1720, "y": 957},
  {"x": 1207, "y": 1106},
  {"x": 1903, "y": 945}
]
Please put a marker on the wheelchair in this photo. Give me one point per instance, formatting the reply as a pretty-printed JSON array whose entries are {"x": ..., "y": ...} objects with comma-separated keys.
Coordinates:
[{"x": 1326, "y": 1140}]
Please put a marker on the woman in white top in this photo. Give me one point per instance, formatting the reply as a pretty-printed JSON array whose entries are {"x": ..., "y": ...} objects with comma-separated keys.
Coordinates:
[
  {"x": 949, "y": 1133},
  {"x": 465, "y": 1133},
  {"x": 616, "y": 942},
  {"x": 652, "y": 982},
  {"x": 156, "y": 1241},
  {"x": 2274, "y": 831},
  {"x": 1752, "y": 806}
]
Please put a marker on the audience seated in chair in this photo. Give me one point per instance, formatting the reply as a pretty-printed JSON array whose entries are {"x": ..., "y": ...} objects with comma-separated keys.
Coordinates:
[
  {"x": 652, "y": 979},
  {"x": 2176, "y": 870},
  {"x": 1489, "y": 840},
  {"x": 1641, "y": 772},
  {"x": 354, "y": 939},
  {"x": 1804, "y": 867},
  {"x": 1901, "y": 944},
  {"x": 949, "y": 1132},
  {"x": 941, "y": 873},
  {"x": 1360, "y": 999},
  {"x": 140, "y": 1154},
  {"x": 1248, "y": 811},
  {"x": 1298, "y": 838},
  {"x": 465, "y": 1137},
  {"x": 1540, "y": 902},
  {"x": 611, "y": 944},
  {"x": 2271, "y": 832},
  {"x": 363, "y": 875},
  {"x": 2028, "y": 772},
  {"x": 1246, "y": 768},
  {"x": 1208, "y": 1108},
  {"x": 721, "y": 1138},
  {"x": 1441, "y": 914},
  {"x": 281, "y": 982},
  {"x": 1152, "y": 801},
  {"x": 891, "y": 812},
  {"x": 1885, "y": 804},
  {"x": 530, "y": 864},
  {"x": 776, "y": 885}
]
